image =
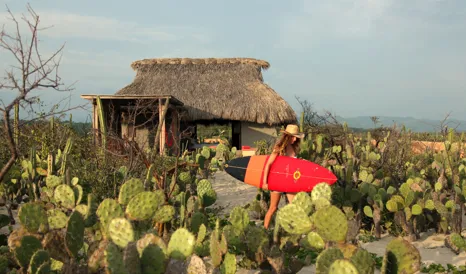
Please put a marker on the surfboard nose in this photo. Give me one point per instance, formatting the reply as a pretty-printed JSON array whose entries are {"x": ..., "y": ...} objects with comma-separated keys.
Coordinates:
[{"x": 237, "y": 167}]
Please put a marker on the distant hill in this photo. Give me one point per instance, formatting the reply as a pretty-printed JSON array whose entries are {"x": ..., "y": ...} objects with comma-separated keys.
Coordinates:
[{"x": 415, "y": 124}]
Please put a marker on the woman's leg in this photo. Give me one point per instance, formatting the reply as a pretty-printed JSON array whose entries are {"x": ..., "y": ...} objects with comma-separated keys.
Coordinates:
[
  {"x": 290, "y": 196},
  {"x": 274, "y": 200}
]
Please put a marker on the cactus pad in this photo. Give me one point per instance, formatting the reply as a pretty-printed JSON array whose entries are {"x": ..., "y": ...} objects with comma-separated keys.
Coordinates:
[
  {"x": 402, "y": 256},
  {"x": 33, "y": 217},
  {"x": 321, "y": 202},
  {"x": 321, "y": 190},
  {"x": 229, "y": 264},
  {"x": 342, "y": 266},
  {"x": 74, "y": 237},
  {"x": 144, "y": 205},
  {"x": 181, "y": 244},
  {"x": 185, "y": 178},
  {"x": 56, "y": 219},
  {"x": 121, "y": 232},
  {"x": 44, "y": 268},
  {"x": 164, "y": 214},
  {"x": 107, "y": 210},
  {"x": 313, "y": 241},
  {"x": 91, "y": 217},
  {"x": 363, "y": 261},
  {"x": 150, "y": 239},
  {"x": 206, "y": 193},
  {"x": 78, "y": 193},
  {"x": 131, "y": 259},
  {"x": 303, "y": 200},
  {"x": 65, "y": 196},
  {"x": 153, "y": 259},
  {"x": 82, "y": 209},
  {"x": 26, "y": 249},
  {"x": 294, "y": 219},
  {"x": 53, "y": 181},
  {"x": 239, "y": 218},
  {"x": 256, "y": 238},
  {"x": 130, "y": 189},
  {"x": 201, "y": 234},
  {"x": 326, "y": 258},
  {"x": 114, "y": 259},
  {"x": 331, "y": 224},
  {"x": 40, "y": 257}
]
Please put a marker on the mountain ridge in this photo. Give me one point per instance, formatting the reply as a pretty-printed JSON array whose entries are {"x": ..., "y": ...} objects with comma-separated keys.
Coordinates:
[{"x": 412, "y": 123}]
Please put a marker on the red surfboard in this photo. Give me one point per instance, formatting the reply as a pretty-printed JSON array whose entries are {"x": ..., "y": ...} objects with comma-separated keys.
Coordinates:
[{"x": 286, "y": 174}]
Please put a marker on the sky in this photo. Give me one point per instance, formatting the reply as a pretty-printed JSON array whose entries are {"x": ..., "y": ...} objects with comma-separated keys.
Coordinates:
[{"x": 350, "y": 57}]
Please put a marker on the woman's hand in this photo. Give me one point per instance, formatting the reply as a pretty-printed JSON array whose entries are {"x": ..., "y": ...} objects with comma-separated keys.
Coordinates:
[{"x": 265, "y": 186}]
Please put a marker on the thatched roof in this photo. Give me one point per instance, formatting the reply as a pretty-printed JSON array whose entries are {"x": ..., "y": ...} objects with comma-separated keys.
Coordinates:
[{"x": 213, "y": 88}]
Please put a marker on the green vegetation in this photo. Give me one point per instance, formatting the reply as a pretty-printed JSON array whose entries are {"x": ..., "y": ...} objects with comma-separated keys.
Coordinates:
[{"x": 157, "y": 214}]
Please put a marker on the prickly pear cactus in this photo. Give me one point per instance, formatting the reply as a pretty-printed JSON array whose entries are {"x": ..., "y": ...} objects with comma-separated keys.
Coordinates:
[
  {"x": 150, "y": 239},
  {"x": 74, "y": 237},
  {"x": 144, "y": 205},
  {"x": 65, "y": 196},
  {"x": 363, "y": 261},
  {"x": 294, "y": 219},
  {"x": 78, "y": 193},
  {"x": 303, "y": 200},
  {"x": 33, "y": 217},
  {"x": 107, "y": 210},
  {"x": 113, "y": 259},
  {"x": 130, "y": 189},
  {"x": 239, "y": 218},
  {"x": 313, "y": 241},
  {"x": 256, "y": 239},
  {"x": 331, "y": 224},
  {"x": 181, "y": 244},
  {"x": 401, "y": 257},
  {"x": 326, "y": 258},
  {"x": 53, "y": 181},
  {"x": 206, "y": 193},
  {"x": 164, "y": 214},
  {"x": 131, "y": 259},
  {"x": 185, "y": 178},
  {"x": 153, "y": 259},
  {"x": 56, "y": 218},
  {"x": 121, "y": 231},
  {"x": 321, "y": 190},
  {"x": 342, "y": 266},
  {"x": 26, "y": 249},
  {"x": 229, "y": 264},
  {"x": 39, "y": 258},
  {"x": 91, "y": 217},
  {"x": 455, "y": 242}
]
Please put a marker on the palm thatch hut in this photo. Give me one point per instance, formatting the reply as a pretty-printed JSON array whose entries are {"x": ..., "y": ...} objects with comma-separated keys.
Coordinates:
[{"x": 216, "y": 91}]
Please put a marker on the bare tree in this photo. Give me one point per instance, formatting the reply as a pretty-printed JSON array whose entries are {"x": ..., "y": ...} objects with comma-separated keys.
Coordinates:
[{"x": 32, "y": 71}]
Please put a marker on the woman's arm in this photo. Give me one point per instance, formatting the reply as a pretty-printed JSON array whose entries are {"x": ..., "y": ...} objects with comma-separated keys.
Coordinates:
[{"x": 270, "y": 161}]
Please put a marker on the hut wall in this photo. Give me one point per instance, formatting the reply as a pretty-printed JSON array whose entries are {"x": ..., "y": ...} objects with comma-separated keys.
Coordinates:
[{"x": 252, "y": 132}]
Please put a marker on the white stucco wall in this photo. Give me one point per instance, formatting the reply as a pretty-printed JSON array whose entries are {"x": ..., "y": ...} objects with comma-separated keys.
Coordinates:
[{"x": 251, "y": 132}]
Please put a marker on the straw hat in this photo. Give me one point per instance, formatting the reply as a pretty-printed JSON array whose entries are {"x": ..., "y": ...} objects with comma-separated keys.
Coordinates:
[{"x": 294, "y": 131}]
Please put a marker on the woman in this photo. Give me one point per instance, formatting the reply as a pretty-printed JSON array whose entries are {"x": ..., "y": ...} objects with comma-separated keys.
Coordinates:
[{"x": 287, "y": 145}]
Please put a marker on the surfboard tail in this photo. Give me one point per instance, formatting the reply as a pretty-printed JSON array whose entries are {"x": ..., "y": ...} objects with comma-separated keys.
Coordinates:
[{"x": 237, "y": 167}]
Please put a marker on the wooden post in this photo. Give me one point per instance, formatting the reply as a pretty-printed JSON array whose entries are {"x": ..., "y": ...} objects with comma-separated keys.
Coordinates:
[
  {"x": 163, "y": 130},
  {"x": 161, "y": 133},
  {"x": 95, "y": 122}
]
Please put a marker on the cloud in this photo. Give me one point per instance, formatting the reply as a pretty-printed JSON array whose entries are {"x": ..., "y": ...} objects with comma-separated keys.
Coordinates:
[
  {"x": 70, "y": 25},
  {"x": 318, "y": 21}
]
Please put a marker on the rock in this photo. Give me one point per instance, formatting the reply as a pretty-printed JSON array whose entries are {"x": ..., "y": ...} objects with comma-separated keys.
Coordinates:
[{"x": 196, "y": 266}]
